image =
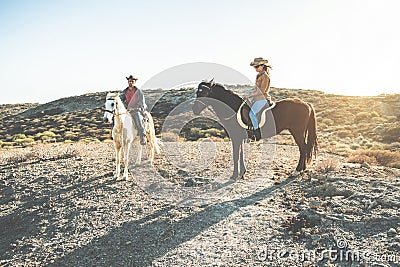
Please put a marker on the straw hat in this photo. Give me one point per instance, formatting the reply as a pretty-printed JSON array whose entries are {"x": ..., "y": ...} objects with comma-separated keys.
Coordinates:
[
  {"x": 259, "y": 61},
  {"x": 131, "y": 77}
]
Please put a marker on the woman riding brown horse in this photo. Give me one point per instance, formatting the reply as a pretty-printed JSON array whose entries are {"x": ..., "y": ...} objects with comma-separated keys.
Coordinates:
[{"x": 294, "y": 115}]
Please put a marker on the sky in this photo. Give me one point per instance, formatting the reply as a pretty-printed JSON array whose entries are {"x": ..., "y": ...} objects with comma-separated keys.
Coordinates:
[{"x": 54, "y": 49}]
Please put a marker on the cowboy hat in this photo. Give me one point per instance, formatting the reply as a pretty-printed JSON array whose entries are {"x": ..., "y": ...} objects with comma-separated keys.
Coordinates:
[
  {"x": 131, "y": 77},
  {"x": 259, "y": 61}
]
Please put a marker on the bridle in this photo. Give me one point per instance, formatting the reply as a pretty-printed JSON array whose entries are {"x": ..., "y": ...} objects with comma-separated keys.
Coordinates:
[
  {"x": 113, "y": 111},
  {"x": 208, "y": 106}
]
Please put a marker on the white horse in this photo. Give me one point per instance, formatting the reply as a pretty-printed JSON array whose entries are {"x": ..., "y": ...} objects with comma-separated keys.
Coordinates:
[{"x": 124, "y": 133}]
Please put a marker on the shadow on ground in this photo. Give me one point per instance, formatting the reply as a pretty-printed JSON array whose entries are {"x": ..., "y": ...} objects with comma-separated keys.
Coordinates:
[{"x": 139, "y": 242}]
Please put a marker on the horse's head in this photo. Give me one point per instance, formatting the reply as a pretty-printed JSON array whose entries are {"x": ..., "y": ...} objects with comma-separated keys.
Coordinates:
[
  {"x": 109, "y": 110},
  {"x": 204, "y": 91}
]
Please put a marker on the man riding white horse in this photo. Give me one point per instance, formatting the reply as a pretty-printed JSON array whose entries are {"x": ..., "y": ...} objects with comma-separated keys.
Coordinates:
[{"x": 134, "y": 101}]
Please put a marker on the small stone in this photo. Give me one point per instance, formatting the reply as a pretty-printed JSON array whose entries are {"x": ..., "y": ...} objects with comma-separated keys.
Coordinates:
[
  {"x": 365, "y": 165},
  {"x": 391, "y": 232}
]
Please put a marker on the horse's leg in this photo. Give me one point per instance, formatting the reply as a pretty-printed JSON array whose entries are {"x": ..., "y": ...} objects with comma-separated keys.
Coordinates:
[
  {"x": 117, "y": 160},
  {"x": 235, "y": 148},
  {"x": 241, "y": 160},
  {"x": 299, "y": 138},
  {"x": 126, "y": 159},
  {"x": 139, "y": 155},
  {"x": 151, "y": 152}
]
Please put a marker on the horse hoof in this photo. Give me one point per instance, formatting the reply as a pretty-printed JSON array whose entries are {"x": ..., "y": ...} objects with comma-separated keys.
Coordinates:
[
  {"x": 234, "y": 177},
  {"x": 296, "y": 173}
]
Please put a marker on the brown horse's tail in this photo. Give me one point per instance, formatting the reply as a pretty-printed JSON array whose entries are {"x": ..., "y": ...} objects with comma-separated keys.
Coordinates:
[{"x": 312, "y": 142}]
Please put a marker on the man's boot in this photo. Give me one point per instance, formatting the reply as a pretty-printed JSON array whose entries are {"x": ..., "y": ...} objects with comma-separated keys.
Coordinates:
[
  {"x": 143, "y": 139},
  {"x": 257, "y": 134}
]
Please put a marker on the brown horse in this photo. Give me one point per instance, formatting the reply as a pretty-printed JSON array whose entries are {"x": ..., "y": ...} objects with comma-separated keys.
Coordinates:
[{"x": 233, "y": 112}]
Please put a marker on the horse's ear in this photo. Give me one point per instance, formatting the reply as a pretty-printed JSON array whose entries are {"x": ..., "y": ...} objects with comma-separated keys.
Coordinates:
[{"x": 212, "y": 82}]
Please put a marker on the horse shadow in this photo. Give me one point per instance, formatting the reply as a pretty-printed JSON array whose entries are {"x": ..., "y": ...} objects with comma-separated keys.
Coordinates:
[
  {"x": 142, "y": 241},
  {"x": 25, "y": 221}
]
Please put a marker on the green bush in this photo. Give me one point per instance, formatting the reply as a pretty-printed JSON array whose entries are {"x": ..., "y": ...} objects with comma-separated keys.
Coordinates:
[
  {"x": 194, "y": 134},
  {"x": 211, "y": 132},
  {"x": 18, "y": 137}
]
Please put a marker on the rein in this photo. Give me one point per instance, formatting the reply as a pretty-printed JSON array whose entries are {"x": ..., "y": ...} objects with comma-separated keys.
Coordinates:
[
  {"x": 113, "y": 111},
  {"x": 225, "y": 119}
]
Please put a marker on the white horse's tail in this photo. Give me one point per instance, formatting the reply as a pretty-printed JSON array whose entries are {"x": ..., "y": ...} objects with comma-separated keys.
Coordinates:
[
  {"x": 157, "y": 145},
  {"x": 153, "y": 140}
]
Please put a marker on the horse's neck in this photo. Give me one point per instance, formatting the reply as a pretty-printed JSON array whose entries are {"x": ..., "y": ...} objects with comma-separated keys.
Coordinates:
[
  {"x": 232, "y": 100},
  {"x": 120, "y": 115},
  {"x": 119, "y": 122}
]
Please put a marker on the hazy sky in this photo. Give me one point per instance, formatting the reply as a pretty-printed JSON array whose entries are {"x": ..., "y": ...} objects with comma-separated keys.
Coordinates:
[{"x": 54, "y": 49}]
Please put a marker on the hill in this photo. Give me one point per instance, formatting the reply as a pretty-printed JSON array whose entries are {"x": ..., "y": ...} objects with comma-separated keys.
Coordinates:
[
  {"x": 60, "y": 204},
  {"x": 345, "y": 124}
]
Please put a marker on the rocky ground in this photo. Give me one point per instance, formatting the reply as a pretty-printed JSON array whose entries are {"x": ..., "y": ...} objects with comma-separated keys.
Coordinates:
[{"x": 60, "y": 205}]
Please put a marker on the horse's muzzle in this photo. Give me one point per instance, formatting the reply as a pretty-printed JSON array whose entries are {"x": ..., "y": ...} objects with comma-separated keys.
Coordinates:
[{"x": 105, "y": 119}]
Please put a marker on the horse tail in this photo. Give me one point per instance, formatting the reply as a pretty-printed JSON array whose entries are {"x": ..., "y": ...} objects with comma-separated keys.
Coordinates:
[
  {"x": 312, "y": 142},
  {"x": 152, "y": 134}
]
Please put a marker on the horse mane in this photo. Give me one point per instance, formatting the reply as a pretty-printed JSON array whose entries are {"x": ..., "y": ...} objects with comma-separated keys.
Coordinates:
[
  {"x": 227, "y": 96},
  {"x": 120, "y": 105},
  {"x": 230, "y": 92}
]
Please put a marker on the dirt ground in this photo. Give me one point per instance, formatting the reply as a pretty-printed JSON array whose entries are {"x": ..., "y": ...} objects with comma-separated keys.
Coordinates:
[{"x": 60, "y": 205}]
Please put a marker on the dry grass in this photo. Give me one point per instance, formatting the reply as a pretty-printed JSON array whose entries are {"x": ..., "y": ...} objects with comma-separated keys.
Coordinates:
[
  {"x": 376, "y": 157},
  {"x": 328, "y": 164},
  {"x": 42, "y": 153}
]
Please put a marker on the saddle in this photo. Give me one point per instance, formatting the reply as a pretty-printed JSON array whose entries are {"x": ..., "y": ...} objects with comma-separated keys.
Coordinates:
[
  {"x": 247, "y": 124},
  {"x": 265, "y": 107}
]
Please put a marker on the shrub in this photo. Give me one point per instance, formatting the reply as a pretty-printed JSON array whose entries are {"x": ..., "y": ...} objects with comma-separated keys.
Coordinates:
[
  {"x": 381, "y": 157},
  {"x": 212, "y": 132},
  {"x": 41, "y": 153},
  {"x": 360, "y": 158},
  {"x": 393, "y": 146},
  {"x": 194, "y": 134},
  {"x": 342, "y": 149},
  {"x": 391, "y": 133},
  {"x": 169, "y": 137},
  {"x": 25, "y": 141},
  {"x": 355, "y": 146},
  {"x": 391, "y": 118},
  {"x": 18, "y": 137},
  {"x": 49, "y": 134},
  {"x": 374, "y": 114},
  {"x": 378, "y": 120},
  {"x": 328, "y": 122},
  {"x": 345, "y": 133},
  {"x": 362, "y": 116},
  {"x": 328, "y": 164}
]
